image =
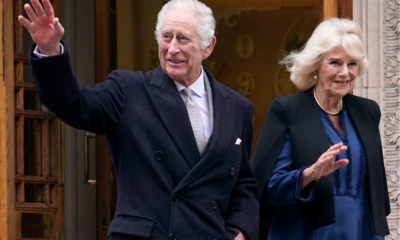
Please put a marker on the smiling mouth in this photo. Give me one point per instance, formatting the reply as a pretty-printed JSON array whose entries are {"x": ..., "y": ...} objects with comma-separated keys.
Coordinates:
[
  {"x": 175, "y": 61},
  {"x": 342, "y": 82}
]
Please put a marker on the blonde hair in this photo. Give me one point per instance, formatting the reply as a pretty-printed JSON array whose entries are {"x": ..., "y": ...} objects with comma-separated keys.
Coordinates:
[{"x": 328, "y": 35}]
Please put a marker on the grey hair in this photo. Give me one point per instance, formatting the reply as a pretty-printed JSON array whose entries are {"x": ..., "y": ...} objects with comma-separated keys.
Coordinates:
[
  {"x": 206, "y": 26},
  {"x": 328, "y": 35}
]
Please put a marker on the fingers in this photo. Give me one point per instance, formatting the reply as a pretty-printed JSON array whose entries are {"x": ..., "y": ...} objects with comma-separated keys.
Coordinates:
[
  {"x": 31, "y": 14},
  {"x": 336, "y": 149},
  {"x": 39, "y": 11},
  {"x": 58, "y": 27},
  {"x": 48, "y": 8},
  {"x": 38, "y": 7},
  {"x": 340, "y": 163},
  {"x": 25, "y": 22}
]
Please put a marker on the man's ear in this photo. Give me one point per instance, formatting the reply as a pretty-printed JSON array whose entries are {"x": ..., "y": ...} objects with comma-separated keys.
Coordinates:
[{"x": 209, "y": 49}]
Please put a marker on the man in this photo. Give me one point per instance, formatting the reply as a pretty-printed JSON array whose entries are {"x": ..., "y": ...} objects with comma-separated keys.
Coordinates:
[{"x": 180, "y": 141}]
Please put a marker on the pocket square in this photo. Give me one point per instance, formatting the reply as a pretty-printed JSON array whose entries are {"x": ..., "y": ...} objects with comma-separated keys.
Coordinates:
[{"x": 238, "y": 141}]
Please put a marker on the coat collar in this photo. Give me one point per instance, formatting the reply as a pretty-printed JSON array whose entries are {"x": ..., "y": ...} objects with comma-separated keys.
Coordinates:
[
  {"x": 224, "y": 113},
  {"x": 172, "y": 111}
]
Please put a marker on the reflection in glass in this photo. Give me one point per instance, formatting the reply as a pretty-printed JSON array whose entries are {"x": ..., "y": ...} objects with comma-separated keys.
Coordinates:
[
  {"x": 27, "y": 74},
  {"x": 31, "y": 101},
  {"x": 35, "y": 225},
  {"x": 34, "y": 193},
  {"x": 33, "y": 146}
]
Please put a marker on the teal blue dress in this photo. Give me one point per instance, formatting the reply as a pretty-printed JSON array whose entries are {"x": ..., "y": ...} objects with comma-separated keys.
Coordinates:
[{"x": 353, "y": 220}]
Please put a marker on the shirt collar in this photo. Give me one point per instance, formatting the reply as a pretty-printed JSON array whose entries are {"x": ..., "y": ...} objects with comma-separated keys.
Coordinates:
[{"x": 198, "y": 87}]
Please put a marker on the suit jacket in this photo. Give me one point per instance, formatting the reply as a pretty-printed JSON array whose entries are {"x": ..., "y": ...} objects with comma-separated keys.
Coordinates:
[
  {"x": 298, "y": 115},
  {"x": 165, "y": 189}
]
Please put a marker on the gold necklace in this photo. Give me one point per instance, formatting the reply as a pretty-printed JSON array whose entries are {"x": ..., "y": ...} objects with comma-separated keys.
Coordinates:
[{"x": 326, "y": 110}]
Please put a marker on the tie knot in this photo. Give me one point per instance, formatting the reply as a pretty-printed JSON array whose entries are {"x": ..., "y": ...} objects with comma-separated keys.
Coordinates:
[{"x": 187, "y": 92}]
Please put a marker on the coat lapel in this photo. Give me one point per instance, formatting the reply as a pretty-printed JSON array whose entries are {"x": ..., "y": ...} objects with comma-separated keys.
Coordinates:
[
  {"x": 224, "y": 112},
  {"x": 362, "y": 126},
  {"x": 172, "y": 111},
  {"x": 312, "y": 130}
]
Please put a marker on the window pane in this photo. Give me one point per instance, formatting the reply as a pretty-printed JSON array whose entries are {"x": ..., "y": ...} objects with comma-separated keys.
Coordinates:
[
  {"x": 17, "y": 101},
  {"x": 16, "y": 71},
  {"x": 26, "y": 37},
  {"x": 35, "y": 225},
  {"x": 16, "y": 125},
  {"x": 17, "y": 188},
  {"x": 31, "y": 101},
  {"x": 27, "y": 74},
  {"x": 53, "y": 194},
  {"x": 33, "y": 146},
  {"x": 26, "y": 41},
  {"x": 34, "y": 193}
]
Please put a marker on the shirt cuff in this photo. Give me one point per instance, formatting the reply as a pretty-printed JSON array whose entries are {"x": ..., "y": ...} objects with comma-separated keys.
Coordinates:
[
  {"x": 306, "y": 194},
  {"x": 39, "y": 55}
]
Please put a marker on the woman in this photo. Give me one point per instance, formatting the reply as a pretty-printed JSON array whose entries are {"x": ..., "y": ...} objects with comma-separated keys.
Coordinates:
[{"x": 319, "y": 158}]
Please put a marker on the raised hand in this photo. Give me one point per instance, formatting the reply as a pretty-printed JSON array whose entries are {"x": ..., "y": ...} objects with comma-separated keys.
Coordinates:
[
  {"x": 45, "y": 29},
  {"x": 325, "y": 164}
]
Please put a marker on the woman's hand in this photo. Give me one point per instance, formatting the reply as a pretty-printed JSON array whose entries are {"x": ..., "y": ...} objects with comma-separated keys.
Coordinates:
[
  {"x": 45, "y": 29},
  {"x": 325, "y": 164}
]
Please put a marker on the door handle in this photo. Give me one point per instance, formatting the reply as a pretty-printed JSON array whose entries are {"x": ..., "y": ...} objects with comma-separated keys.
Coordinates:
[{"x": 87, "y": 180}]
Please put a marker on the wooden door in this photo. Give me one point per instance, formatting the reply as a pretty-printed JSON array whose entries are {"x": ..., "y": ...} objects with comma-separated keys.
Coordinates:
[
  {"x": 35, "y": 178},
  {"x": 336, "y": 8}
]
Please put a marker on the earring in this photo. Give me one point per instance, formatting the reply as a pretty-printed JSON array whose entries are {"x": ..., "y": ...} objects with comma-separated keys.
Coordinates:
[{"x": 315, "y": 75}]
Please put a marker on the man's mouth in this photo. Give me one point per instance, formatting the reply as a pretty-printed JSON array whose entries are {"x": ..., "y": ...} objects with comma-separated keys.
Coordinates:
[{"x": 176, "y": 61}]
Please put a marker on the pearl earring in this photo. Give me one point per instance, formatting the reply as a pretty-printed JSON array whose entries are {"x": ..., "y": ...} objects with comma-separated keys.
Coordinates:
[{"x": 315, "y": 75}]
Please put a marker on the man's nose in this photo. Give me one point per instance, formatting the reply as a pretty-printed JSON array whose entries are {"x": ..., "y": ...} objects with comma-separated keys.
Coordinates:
[{"x": 174, "y": 46}]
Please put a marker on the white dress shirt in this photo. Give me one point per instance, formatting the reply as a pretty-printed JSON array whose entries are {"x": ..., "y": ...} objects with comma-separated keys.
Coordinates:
[{"x": 201, "y": 97}]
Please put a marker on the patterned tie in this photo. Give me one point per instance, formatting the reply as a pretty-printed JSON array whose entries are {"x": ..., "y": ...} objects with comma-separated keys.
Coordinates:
[{"x": 195, "y": 120}]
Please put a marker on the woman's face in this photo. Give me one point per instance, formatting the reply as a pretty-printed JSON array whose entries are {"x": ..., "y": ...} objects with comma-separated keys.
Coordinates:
[{"x": 337, "y": 73}]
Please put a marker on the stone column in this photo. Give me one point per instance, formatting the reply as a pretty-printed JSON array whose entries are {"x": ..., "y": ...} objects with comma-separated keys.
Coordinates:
[{"x": 380, "y": 21}]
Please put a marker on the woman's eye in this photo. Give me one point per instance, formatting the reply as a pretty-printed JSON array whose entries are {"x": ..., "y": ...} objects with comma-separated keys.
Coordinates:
[
  {"x": 335, "y": 63},
  {"x": 353, "y": 64}
]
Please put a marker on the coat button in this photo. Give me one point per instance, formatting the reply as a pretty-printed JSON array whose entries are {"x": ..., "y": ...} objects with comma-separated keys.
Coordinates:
[
  {"x": 214, "y": 204},
  {"x": 159, "y": 155},
  {"x": 233, "y": 171},
  {"x": 174, "y": 197}
]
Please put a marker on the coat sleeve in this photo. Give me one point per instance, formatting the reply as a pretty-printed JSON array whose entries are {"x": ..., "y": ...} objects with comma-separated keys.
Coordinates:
[
  {"x": 243, "y": 203},
  {"x": 284, "y": 187},
  {"x": 94, "y": 108},
  {"x": 269, "y": 143},
  {"x": 376, "y": 115}
]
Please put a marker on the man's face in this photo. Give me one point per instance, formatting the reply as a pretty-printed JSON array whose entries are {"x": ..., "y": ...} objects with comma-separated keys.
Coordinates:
[{"x": 179, "y": 47}]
